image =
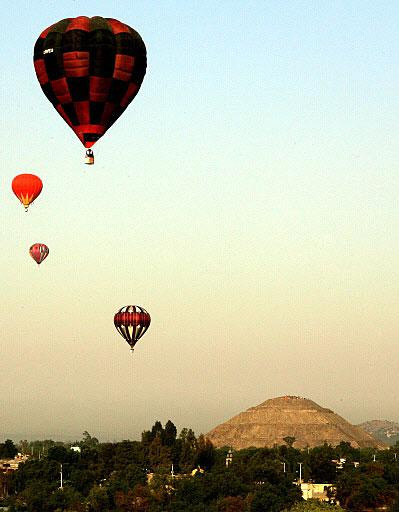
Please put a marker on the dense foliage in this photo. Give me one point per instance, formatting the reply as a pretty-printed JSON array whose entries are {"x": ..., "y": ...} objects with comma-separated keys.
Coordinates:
[
  {"x": 167, "y": 472},
  {"x": 7, "y": 450}
]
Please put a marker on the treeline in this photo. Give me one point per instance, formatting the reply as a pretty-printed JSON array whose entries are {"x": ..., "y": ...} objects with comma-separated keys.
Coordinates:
[
  {"x": 8, "y": 450},
  {"x": 171, "y": 472}
]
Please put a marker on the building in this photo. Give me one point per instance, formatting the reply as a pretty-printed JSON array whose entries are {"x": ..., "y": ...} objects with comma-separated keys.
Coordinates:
[
  {"x": 340, "y": 463},
  {"x": 7, "y": 466},
  {"x": 314, "y": 491}
]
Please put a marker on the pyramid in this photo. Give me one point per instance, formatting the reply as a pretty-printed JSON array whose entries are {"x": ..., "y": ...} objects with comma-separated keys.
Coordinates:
[{"x": 267, "y": 424}]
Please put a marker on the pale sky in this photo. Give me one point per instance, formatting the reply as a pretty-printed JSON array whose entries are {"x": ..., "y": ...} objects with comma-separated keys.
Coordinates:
[{"x": 247, "y": 199}]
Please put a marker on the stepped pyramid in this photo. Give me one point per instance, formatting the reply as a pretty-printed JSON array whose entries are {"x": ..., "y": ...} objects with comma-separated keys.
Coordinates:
[{"x": 268, "y": 423}]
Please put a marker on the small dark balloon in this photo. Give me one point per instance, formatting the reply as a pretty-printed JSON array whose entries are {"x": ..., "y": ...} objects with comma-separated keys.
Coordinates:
[{"x": 39, "y": 252}]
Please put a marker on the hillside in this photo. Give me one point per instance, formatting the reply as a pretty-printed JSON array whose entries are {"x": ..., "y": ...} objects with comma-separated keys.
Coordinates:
[{"x": 382, "y": 430}]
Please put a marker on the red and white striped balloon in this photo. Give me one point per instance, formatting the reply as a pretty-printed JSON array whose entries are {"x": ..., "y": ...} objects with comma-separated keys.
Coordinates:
[
  {"x": 39, "y": 252},
  {"x": 132, "y": 322}
]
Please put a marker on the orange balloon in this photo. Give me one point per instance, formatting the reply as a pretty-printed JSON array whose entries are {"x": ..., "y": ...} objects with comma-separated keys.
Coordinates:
[{"x": 26, "y": 187}]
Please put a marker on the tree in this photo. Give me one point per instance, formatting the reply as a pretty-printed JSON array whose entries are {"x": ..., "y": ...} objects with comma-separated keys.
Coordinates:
[
  {"x": 194, "y": 494},
  {"x": 98, "y": 500},
  {"x": 188, "y": 449},
  {"x": 34, "y": 472},
  {"x": 128, "y": 452},
  {"x": 146, "y": 438},
  {"x": 365, "y": 489},
  {"x": 137, "y": 500},
  {"x": 320, "y": 465},
  {"x": 158, "y": 455},
  {"x": 224, "y": 482},
  {"x": 62, "y": 454},
  {"x": 232, "y": 504},
  {"x": 84, "y": 476},
  {"x": 346, "y": 451},
  {"x": 289, "y": 440},
  {"x": 120, "y": 483},
  {"x": 205, "y": 453},
  {"x": 170, "y": 434},
  {"x": 157, "y": 430},
  {"x": 66, "y": 499},
  {"x": 275, "y": 498},
  {"x": 39, "y": 448},
  {"x": 37, "y": 495},
  {"x": 8, "y": 450},
  {"x": 314, "y": 506},
  {"x": 23, "y": 446},
  {"x": 88, "y": 441}
]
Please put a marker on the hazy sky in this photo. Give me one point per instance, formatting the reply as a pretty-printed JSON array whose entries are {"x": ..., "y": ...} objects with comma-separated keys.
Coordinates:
[{"x": 247, "y": 198}]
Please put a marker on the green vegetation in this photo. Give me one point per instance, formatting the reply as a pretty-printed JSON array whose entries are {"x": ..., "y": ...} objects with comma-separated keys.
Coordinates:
[
  {"x": 7, "y": 450},
  {"x": 314, "y": 506},
  {"x": 156, "y": 475}
]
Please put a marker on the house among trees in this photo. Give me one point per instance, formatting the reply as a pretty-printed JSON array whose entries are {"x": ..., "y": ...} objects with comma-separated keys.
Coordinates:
[{"x": 313, "y": 491}]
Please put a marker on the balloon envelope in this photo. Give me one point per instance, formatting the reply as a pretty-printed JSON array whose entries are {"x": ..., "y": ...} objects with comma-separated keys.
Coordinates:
[
  {"x": 26, "y": 187},
  {"x": 39, "y": 252},
  {"x": 132, "y": 322},
  {"x": 90, "y": 69}
]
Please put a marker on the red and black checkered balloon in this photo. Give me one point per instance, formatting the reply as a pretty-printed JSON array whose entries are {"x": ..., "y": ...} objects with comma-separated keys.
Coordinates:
[{"x": 90, "y": 69}]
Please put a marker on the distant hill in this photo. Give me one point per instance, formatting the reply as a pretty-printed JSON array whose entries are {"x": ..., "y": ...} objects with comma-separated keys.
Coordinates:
[
  {"x": 268, "y": 423},
  {"x": 382, "y": 430}
]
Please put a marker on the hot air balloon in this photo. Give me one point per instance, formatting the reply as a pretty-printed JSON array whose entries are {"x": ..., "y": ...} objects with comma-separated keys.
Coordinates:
[
  {"x": 26, "y": 187},
  {"x": 90, "y": 69},
  {"x": 39, "y": 252},
  {"x": 132, "y": 322}
]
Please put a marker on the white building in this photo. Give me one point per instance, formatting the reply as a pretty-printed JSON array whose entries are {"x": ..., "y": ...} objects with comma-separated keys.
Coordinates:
[{"x": 315, "y": 491}]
